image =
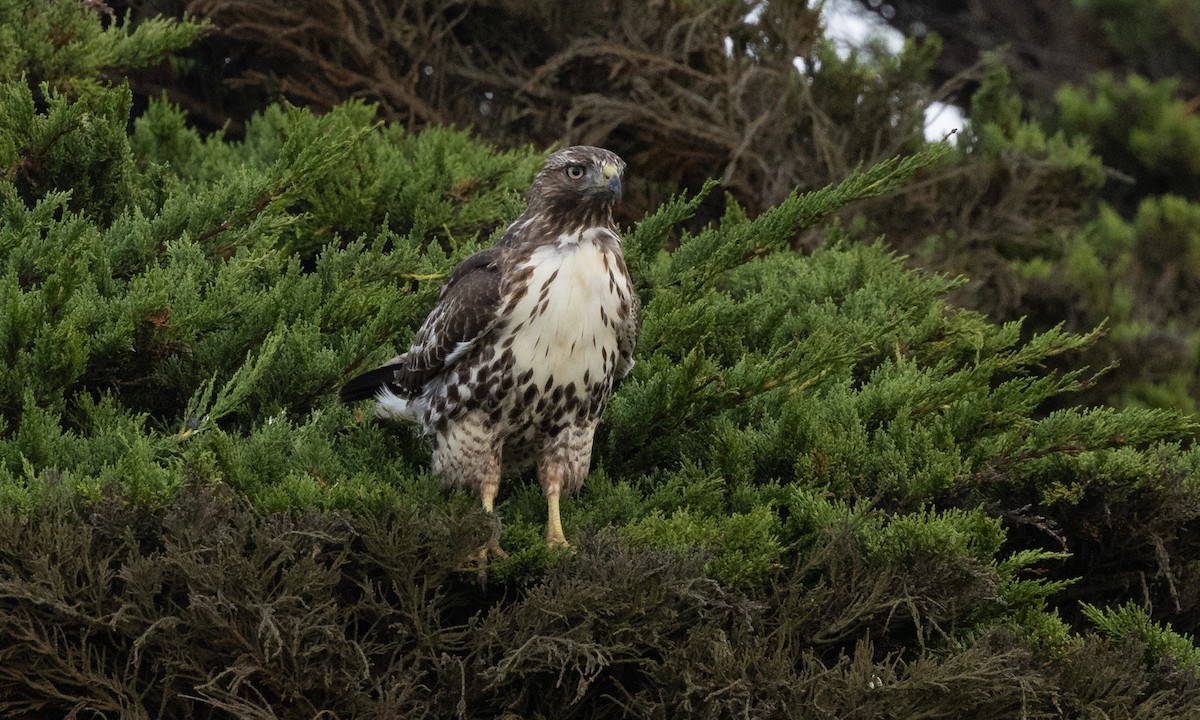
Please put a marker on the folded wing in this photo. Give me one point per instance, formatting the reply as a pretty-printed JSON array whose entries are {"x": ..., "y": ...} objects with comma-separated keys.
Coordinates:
[{"x": 466, "y": 311}]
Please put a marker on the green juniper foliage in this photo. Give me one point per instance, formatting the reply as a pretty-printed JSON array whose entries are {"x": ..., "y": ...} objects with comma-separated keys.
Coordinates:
[
  {"x": 64, "y": 43},
  {"x": 821, "y": 487},
  {"x": 1161, "y": 644}
]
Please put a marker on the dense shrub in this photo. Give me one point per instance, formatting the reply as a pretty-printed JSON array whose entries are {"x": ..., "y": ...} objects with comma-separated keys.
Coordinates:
[
  {"x": 823, "y": 489},
  {"x": 209, "y": 609},
  {"x": 1079, "y": 114}
]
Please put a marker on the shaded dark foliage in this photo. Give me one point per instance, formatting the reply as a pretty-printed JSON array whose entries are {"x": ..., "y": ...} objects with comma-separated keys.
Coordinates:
[
  {"x": 657, "y": 86},
  {"x": 1137, "y": 542},
  {"x": 208, "y": 609},
  {"x": 1048, "y": 44}
]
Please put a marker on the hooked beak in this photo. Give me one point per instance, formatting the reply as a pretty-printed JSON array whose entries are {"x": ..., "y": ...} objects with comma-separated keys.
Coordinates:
[{"x": 610, "y": 180}]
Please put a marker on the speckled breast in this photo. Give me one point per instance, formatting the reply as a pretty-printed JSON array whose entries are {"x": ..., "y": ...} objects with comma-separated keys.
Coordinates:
[{"x": 553, "y": 359}]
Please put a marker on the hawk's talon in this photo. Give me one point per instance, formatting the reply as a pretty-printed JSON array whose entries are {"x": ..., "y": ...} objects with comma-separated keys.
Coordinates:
[{"x": 480, "y": 559}]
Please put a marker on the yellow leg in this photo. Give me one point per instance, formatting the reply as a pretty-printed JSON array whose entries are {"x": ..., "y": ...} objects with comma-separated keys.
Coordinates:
[
  {"x": 554, "y": 531},
  {"x": 489, "y": 497}
]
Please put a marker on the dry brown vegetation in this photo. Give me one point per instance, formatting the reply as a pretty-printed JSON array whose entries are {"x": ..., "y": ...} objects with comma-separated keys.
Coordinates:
[
  {"x": 655, "y": 84},
  {"x": 208, "y": 609}
]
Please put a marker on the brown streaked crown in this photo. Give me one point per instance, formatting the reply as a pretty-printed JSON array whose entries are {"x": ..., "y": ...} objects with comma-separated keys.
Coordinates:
[{"x": 576, "y": 189}]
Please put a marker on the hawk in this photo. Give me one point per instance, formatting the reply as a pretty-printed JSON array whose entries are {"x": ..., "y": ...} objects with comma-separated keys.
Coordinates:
[{"x": 528, "y": 338}]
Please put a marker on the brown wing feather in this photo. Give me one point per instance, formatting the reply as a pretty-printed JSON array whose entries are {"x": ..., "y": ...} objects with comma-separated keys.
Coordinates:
[
  {"x": 627, "y": 339},
  {"x": 466, "y": 309}
]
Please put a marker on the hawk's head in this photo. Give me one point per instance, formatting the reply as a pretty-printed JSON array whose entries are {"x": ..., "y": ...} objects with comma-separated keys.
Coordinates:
[{"x": 578, "y": 187}]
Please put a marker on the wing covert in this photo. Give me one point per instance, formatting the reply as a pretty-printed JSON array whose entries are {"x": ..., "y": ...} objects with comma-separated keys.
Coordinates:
[{"x": 466, "y": 309}]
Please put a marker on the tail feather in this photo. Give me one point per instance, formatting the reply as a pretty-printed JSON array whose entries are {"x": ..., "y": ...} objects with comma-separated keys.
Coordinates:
[{"x": 367, "y": 385}]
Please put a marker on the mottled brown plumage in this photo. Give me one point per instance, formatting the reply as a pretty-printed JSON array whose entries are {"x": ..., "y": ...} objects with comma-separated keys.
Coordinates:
[{"x": 518, "y": 358}]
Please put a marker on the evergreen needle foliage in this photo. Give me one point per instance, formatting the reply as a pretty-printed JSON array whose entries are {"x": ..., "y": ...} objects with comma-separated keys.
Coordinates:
[{"x": 822, "y": 491}]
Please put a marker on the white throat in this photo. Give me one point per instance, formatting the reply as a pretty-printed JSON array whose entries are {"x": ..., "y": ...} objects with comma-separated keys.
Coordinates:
[{"x": 573, "y": 239}]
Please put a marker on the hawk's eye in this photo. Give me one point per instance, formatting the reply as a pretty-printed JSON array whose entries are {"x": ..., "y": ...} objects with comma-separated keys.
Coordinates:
[{"x": 574, "y": 171}]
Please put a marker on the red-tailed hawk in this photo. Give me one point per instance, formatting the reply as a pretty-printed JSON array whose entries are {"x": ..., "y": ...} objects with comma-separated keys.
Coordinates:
[{"x": 519, "y": 356}]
